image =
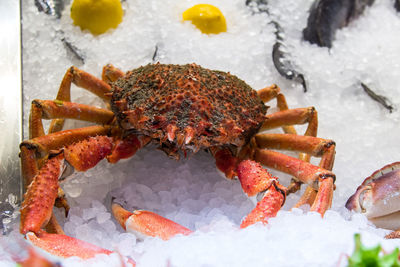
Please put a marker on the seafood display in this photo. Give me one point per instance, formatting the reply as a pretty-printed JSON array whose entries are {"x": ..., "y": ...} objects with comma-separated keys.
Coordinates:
[
  {"x": 183, "y": 109},
  {"x": 193, "y": 105}
]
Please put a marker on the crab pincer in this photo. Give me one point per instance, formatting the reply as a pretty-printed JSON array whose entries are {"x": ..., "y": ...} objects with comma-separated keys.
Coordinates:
[{"x": 378, "y": 198}]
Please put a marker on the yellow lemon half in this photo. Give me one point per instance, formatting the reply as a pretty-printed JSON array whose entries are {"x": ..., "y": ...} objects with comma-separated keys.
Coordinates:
[
  {"x": 97, "y": 16},
  {"x": 207, "y": 18}
]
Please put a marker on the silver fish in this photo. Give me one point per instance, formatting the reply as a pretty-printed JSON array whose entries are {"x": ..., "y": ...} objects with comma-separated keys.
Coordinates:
[
  {"x": 51, "y": 7},
  {"x": 383, "y": 100},
  {"x": 280, "y": 57}
]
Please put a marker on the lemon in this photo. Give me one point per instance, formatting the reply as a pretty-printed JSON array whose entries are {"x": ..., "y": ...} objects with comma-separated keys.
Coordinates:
[
  {"x": 207, "y": 18},
  {"x": 97, "y": 16}
]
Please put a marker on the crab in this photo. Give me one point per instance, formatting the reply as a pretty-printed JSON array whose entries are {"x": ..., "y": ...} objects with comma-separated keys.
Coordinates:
[
  {"x": 378, "y": 198},
  {"x": 182, "y": 109}
]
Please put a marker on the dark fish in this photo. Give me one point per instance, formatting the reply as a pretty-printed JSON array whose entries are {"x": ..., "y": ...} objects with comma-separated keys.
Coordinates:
[
  {"x": 397, "y": 5},
  {"x": 326, "y": 16},
  {"x": 50, "y": 7},
  {"x": 383, "y": 100},
  {"x": 280, "y": 57}
]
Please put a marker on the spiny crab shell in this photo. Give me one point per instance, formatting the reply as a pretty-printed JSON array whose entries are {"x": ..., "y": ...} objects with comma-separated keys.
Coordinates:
[{"x": 197, "y": 107}]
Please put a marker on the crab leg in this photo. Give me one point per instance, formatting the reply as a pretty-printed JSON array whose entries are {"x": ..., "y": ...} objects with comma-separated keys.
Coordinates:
[
  {"x": 142, "y": 222},
  {"x": 111, "y": 73},
  {"x": 39, "y": 199},
  {"x": 268, "y": 93},
  {"x": 43, "y": 144},
  {"x": 36, "y": 208},
  {"x": 304, "y": 171},
  {"x": 307, "y": 144},
  {"x": 56, "y": 110},
  {"x": 288, "y": 117},
  {"x": 271, "y": 92},
  {"x": 65, "y": 246},
  {"x": 81, "y": 79},
  {"x": 50, "y": 109},
  {"x": 33, "y": 150},
  {"x": 254, "y": 180}
]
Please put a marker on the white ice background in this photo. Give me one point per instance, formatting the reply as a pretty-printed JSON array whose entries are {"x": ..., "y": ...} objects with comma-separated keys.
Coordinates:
[{"x": 191, "y": 191}]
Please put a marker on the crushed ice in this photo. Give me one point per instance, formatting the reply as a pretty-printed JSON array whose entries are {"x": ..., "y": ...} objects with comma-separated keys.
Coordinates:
[{"x": 190, "y": 191}]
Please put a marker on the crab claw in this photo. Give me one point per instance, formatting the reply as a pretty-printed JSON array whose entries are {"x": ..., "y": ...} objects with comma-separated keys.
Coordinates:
[
  {"x": 147, "y": 223},
  {"x": 65, "y": 246},
  {"x": 255, "y": 180},
  {"x": 378, "y": 197}
]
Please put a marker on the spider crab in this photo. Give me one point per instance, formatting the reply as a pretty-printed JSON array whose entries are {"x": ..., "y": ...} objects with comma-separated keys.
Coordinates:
[
  {"x": 378, "y": 198},
  {"x": 182, "y": 108}
]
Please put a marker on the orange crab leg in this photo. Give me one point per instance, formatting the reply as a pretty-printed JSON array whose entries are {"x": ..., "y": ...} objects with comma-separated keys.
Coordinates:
[
  {"x": 148, "y": 223},
  {"x": 288, "y": 117},
  {"x": 111, "y": 73},
  {"x": 39, "y": 199},
  {"x": 50, "y": 109},
  {"x": 323, "y": 199},
  {"x": 267, "y": 207},
  {"x": 33, "y": 154},
  {"x": 29, "y": 166},
  {"x": 255, "y": 179},
  {"x": 42, "y": 192},
  {"x": 65, "y": 246},
  {"x": 304, "y": 171},
  {"x": 82, "y": 155},
  {"x": 81, "y": 79},
  {"x": 311, "y": 145},
  {"x": 311, "y": 117},
  {"x": 268, "y": 93},
  {"x": 307, "y": 144},
  {"x": 43, "y": 144}
]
